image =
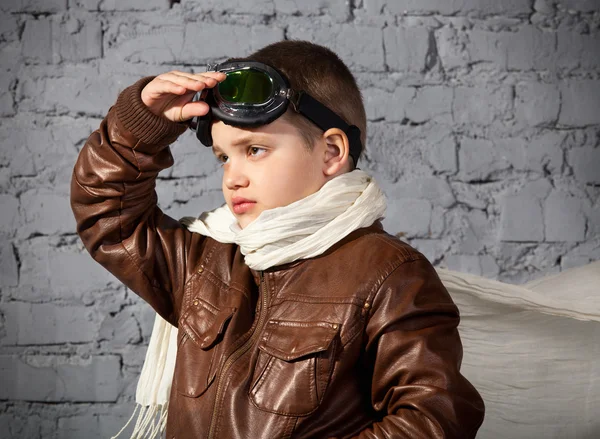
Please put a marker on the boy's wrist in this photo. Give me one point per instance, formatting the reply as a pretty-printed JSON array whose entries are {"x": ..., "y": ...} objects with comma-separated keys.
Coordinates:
[{"x": 142, "y": 123}]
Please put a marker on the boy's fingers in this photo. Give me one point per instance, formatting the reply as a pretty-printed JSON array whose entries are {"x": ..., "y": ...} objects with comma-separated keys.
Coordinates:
[
  {"x": 167, "y": 86},
  {"x": 191, "y": 83},
  {"x": 205, "y": 76},
  {"x": 191, "y": 109}
]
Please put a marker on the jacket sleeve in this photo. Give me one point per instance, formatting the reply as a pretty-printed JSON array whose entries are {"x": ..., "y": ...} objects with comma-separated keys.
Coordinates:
[
  {"x": 414, "y": 352},
  {"x": 114, "y": 202}
]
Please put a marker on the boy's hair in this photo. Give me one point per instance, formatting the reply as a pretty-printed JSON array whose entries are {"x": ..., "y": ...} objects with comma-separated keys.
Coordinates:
[{"x": 321, "y": 73}]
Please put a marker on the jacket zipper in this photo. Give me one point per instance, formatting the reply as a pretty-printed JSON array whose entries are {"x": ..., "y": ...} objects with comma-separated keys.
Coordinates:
[{"x": 239, "y": 352}]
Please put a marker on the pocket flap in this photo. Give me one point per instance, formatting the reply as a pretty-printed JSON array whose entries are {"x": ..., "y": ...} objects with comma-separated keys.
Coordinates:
[
  {"x": 289, "y": 341},
  {"x": 205, "y": 323}
]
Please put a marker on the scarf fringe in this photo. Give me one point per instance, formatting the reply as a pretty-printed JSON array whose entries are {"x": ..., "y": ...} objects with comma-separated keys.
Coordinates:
[{"x": 151, "y": 422}]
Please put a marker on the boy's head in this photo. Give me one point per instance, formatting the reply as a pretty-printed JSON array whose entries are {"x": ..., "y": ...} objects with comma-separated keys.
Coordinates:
[{"x": 286, "y": 160}]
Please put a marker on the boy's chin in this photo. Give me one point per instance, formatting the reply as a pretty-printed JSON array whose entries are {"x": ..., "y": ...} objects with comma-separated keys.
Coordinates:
[{"x": 245, "y": 220}]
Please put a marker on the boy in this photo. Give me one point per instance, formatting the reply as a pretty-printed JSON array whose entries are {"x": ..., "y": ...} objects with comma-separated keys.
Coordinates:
[{"x": 297, "y": 315}]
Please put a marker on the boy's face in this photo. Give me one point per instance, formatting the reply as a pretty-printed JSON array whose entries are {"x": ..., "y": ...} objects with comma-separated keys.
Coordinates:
[{"x": 266, "y": 167}]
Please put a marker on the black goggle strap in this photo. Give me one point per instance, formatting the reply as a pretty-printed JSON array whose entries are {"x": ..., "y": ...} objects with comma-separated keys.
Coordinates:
[{"x": 325, "y": 119}]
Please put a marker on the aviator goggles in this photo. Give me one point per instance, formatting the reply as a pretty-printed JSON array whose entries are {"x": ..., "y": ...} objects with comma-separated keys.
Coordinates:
[{"x": 255, "y": 94}]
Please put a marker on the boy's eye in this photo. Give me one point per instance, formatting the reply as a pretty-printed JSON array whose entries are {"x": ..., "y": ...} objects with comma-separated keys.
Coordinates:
[
  {"x": 255, "y": 150},
  {"x": 222, "y": 158}
]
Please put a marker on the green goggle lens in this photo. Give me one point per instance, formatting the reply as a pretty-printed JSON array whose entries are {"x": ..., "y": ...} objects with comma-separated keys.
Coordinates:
[{"x": 248, "y": 86}]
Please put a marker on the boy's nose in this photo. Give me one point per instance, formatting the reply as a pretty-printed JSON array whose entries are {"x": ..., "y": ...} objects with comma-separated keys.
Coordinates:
[{"x": 235, "y": 177}]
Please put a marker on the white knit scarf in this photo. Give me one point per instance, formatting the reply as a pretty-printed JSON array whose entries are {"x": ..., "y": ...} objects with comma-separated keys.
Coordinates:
[{"x": 301, "y": 230}]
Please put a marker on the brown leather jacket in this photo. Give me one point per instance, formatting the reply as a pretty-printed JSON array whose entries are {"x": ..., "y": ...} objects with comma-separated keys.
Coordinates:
[{"x": 361, "y": 341}]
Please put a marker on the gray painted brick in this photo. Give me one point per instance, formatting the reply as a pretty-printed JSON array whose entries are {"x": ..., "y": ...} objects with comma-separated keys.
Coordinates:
[
  {"x": 542, "y": 153},
  {"x": 380, "y": 104},
  {"x": 451, "y": 45},
  {"x": 9, "y": 213},
  {"x": 76, "y": 38},
  {"x": 570, "y": 261},
  {"x": 564, "y": 218},
  {"x": 411, "y": 217},
  {"x": 435, "y": 190},
  {"x": 480, "y": 265},
  {"x": 9, "y": 28},
  {"x": 46, "y": 213},
  {"x": 544, "y": 6},
  {"x": 9, "y": 270},
  {"x": 121, "y": 329},
  {"x": 406, "y": 48},
  {"x": 537, "y": 103},
  {"x": 234, "y": 6},
  {"x": 120, "y": 5},
  {"x": 440, "y": 150},
  {"x": 522, "y": 219},
  {"x": 592, "y": 214},
  {"x": 11, "y": 56},
  {"x": 431, "y": 103},
  {"x": 149, "y": 39},
  {"x": 192, "y": 159},
  {"x": 7, "y": 102},
  {"x": 337, "y": 9},
  {"x": 539, "y": 188},
  {"x": 395, "y": 149},
  {"x": 48, "y": 323},
  {"x": 26, "y": 425},
  {"x": 57, "y": 379},
  {"x": 196, "y": 205},
  {"x": 233, "y": 40},
  {"x": 359, "y": 46},
  {"x": 449, "y": 7},
  {"x": 14, "y": 151},
  {"x": 578, "y": 50},
  {"x": 481, "y": 104},
  {"x": 586, "y": 163},
  {"x": 478, "y": 158},
  {"x": 33, "y": 5},
  {"x": 78, "y": 90},
  {"x": 579, "y": 5},
  {"x": 66, "y": 272},
  {"x": 37, "y": 40},
  {"x": 528, "y": 48},
  {"x": 94, "y": 425},
  {"x": 580, "y": 102},
  {"x": 43, "y": 152}
]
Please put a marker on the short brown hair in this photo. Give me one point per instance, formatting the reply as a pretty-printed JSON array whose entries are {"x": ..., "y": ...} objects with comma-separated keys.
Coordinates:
[{"x": 321, "y": 73}]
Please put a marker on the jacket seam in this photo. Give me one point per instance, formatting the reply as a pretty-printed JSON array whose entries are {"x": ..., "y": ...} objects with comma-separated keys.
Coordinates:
[
  {"x": 129, "y": 255},
  {"x": 397, "y": 264}
]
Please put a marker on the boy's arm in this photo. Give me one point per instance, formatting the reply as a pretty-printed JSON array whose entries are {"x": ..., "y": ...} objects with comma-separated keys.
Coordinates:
[
  {"x": 114, "y": 201},
  {"x": 414, "y": 352}
]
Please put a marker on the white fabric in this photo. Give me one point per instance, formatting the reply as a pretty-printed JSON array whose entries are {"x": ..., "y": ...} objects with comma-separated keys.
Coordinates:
[
  {"x": 301, "y": 230},
  {"x": 533, "y": 352}
]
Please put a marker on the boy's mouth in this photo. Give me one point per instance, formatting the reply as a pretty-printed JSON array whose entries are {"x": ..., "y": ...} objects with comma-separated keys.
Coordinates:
[{"x": 242, "y": 205}]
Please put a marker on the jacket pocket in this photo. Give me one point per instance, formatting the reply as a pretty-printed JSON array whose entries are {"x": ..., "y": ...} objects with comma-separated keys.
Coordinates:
[
  {"x": 294, "y": 366},
  {"x": 199, "y": 348}
]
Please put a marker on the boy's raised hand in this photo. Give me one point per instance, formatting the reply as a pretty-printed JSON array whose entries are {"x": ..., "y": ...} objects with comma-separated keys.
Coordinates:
[{"x": 170, "y": 94}]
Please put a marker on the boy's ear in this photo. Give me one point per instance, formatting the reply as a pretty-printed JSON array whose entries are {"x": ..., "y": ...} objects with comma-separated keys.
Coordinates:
[{"x": 337, "y": 152}]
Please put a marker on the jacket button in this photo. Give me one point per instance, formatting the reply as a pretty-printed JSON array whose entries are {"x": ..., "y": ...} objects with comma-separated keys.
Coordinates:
[
  {"x": 367, "y": 305},
  {"x": 195, "y": 303},
  {"x": 200, "y": 270}
]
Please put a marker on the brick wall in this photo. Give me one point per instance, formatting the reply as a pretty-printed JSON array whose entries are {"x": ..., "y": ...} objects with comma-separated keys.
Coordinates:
[{"x": 484, "y": 131}]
